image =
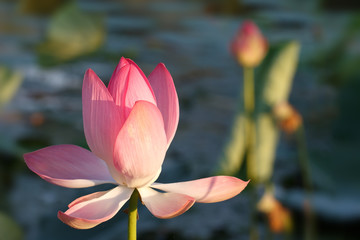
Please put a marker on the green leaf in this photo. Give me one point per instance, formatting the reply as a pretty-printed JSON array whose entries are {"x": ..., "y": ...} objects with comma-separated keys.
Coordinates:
[
  {"x": 267, "y": 139},
  {"x": 9, "y": 83},
  {"x": 276, "y": 74},
  {"x": 274, "y": 85},
  {"x": 71, "y": 34},
  {"x": 9, "y": 228},
  {"x": 233, "y": 153}
]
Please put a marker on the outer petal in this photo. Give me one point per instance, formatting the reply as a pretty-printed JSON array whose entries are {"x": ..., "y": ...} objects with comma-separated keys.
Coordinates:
[
  {"x": 128, "y": 86},
  {"x": 167, "y": 99},
  {"x": 165, "y": 205},
  {"x": 101, "y": 117},
  {"x": 87, "y": 198},
  {"x": 68, "y": 166},
  {"x": 94, "y": 209},
  {"x": 206, "y": 190},
  {"x": 141, "y": 145}
]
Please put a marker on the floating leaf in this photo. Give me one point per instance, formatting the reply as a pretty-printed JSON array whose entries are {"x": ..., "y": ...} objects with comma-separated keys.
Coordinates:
[
  {"x": 71, "y": 34},
  {"x": 9, "y": 83},
  {"x": 9, "y": 228}
]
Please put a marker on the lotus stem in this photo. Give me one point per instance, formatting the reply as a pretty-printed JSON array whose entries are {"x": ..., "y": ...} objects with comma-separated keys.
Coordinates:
[
  {"x": 250, "y": 129},
  {"x": 250, "y": 136},
  {"x": 133, "y": 215}
]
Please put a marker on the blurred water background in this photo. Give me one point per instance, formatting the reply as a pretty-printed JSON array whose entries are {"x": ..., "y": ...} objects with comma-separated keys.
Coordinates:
[{"x": 46, "y": 46}]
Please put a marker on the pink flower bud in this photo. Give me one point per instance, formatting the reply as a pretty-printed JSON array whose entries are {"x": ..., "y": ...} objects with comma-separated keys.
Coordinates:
[{"x": 249, "y": 45}]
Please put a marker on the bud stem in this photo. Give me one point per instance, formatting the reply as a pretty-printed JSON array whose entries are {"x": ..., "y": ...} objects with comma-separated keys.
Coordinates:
[{"x": 250, "y": 129}]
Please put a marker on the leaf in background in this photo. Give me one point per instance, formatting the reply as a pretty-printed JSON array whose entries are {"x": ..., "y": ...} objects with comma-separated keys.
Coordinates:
[
  {"x": 275, "y": 80},
  {"x": 9, "y": 83},
  {"x": 41, "y": 7},
  {"x": 233, "y": 153},
  {"x": 276, "y": 74},
  {"x": 9, "y": 229},
  {"x": 71, "y": 34},
  {"x": 267, "y": 139}
]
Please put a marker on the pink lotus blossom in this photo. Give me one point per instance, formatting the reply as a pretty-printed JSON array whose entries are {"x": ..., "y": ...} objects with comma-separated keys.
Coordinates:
[
  {"x": 128, "y": 126},
  {"x": 249, "y": 45}
]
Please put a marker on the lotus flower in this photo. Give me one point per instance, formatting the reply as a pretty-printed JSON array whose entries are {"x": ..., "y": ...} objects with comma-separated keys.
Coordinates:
[
  {"x": 249, "y": 45},
  {"x": 128, "y": 126}
]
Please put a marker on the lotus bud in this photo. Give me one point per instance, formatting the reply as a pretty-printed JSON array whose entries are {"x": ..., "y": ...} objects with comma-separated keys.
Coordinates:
[{"x": 249, "y": 45}]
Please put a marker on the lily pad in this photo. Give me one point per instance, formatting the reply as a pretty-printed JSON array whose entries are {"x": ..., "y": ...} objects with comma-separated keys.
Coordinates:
[
  {"x": 10, "y": 228},
  {"x": 71, "y": 34},
  {"x": 9, "y": 83}
]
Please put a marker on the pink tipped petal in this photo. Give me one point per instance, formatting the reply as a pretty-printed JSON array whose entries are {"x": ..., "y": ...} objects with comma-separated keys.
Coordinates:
[
  {"x": 68, "y": 166},
  {"x": 101, "y": 117},
  {"x": 167, "y": 99},
  {"x": 128, "y": 86},
  {"x": 123, "y": 61},
  {"x": 139, "y": 69},
  {"x": 206, "y": 190},
  {"x": 141, "y": 145},
  {"x": 98, "y": 209},
  {"x": 165, "y": 205}
]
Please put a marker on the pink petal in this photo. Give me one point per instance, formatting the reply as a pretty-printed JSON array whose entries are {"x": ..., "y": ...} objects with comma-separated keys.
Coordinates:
[
  {"x": 87, "y": 198},
  {"x": 141, "y": 145},
  {"x": 165, "y": 205},
  {"x": 68, "y": 166},
  {"x": 139, "y": 69},
  {"x": 123, "y": 61},
  {"x": 101, "y": 117},
  {"x": 96, "y": 209},
  {"x": 167, "y": 99},
  {"x": 206, "y": 190},
  {"x": 128, "y": 86}
]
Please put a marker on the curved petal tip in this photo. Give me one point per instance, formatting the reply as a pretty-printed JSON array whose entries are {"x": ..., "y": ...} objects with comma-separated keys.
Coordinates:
[
  {"x": 91, "y": 210},
  {"x": 207, "y": 190},
  {"x": 77, "y": 223},
  {"x": 68, "y": 166},
  {"x": 165, "y": 205}
]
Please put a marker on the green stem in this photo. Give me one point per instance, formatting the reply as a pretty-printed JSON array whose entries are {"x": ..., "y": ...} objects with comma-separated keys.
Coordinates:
[
  {"x": 254, "y": 235},
  {"x": 249, "y": 100},
  {"x": 250, "y": 136},
  {"x": 133, "y": 215},
  {"x": 305, "y": 169},
  {"x": 250, "y": 130}
]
